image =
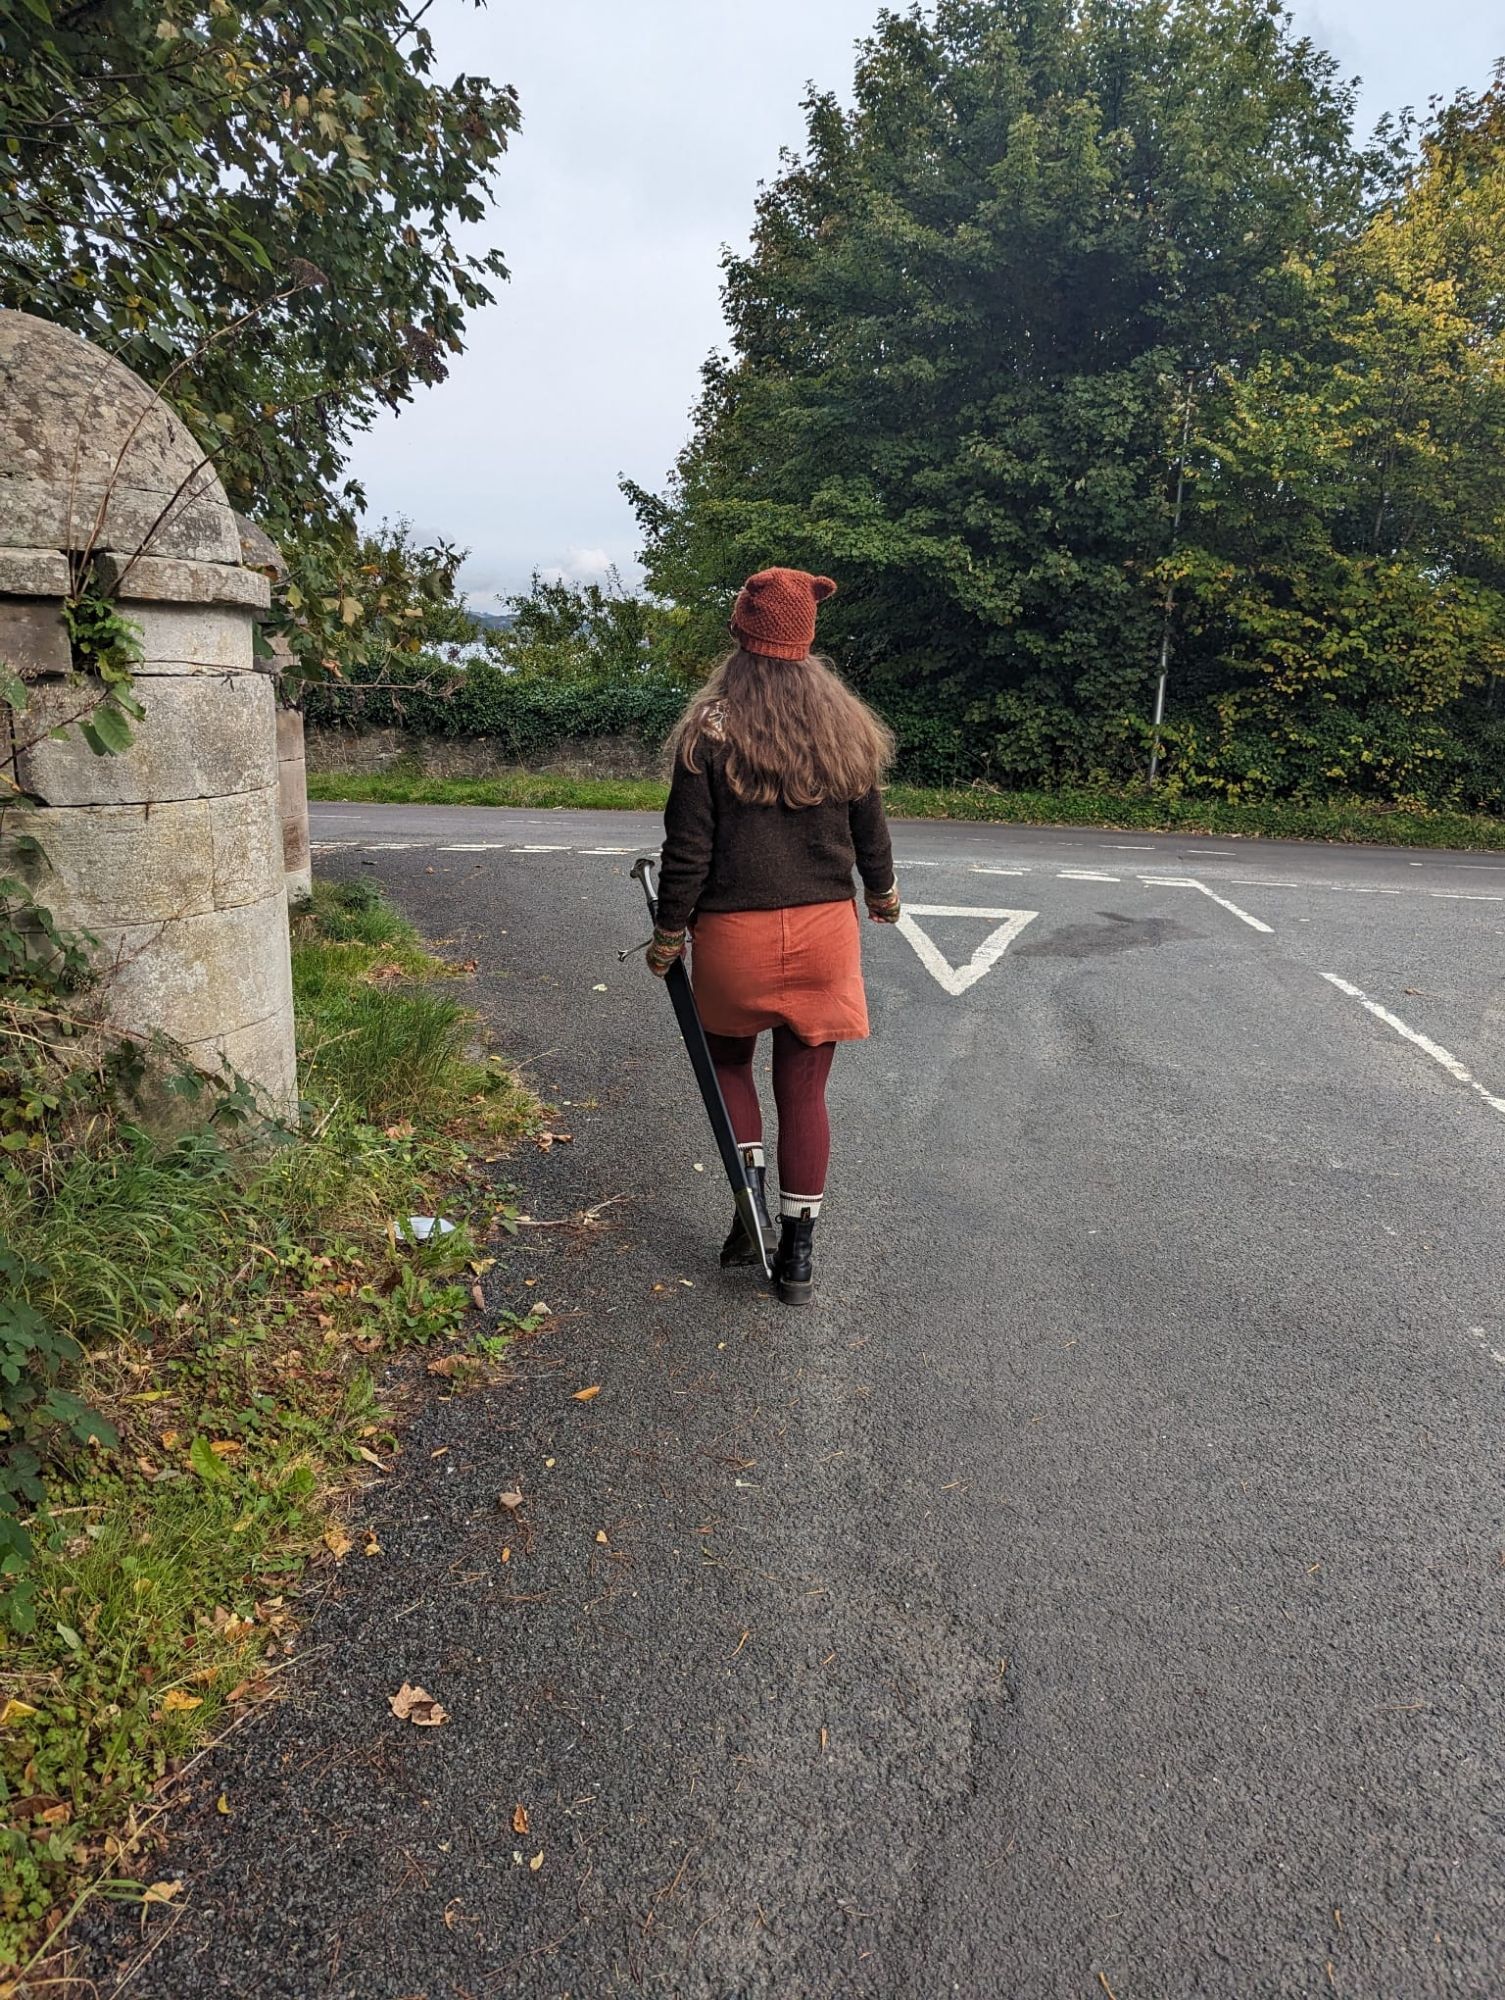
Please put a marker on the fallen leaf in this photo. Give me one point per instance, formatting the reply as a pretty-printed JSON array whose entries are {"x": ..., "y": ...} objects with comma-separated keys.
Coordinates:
[
  {"x": 365, "y": 1452},
  {"x": 15, "y": 1711},
  {"x": 337, "y": 1541},
  {"x": 418, "y": 1706},
  {"x": 162, "y": 1892},
  {"x": 511, "y": 1501},
  {"x": 370, "y": 1546},
  {"x": 601, "y": 1535},
  {"x": 171, "y": 1439},
  {"x": 58, "y": 1815},
  {"x": 225, "y": 1447},
  {"x": 175, "y": 1702},
  {"x": 478, "y": 1298},
  {"x": 442, "y": 1452},
  {"x": 519, "y": 1819},
  {"x": 586, "y": 1395},
  {"x": 537, "y": 1862},
  {"x": 222, "y": 1805},
  {"x": 507, "y": 1552}
]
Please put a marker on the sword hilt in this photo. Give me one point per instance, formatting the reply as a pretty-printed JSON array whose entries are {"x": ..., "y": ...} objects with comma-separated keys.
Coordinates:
[{"x": 642, "y": 871}]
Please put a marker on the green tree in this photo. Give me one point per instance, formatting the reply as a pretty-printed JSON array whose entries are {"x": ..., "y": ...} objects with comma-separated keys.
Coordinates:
[
  {"x": 1343, "y": 573},
  {"x": 962, "y": 341},
  {"x": 255, "y": 207}
]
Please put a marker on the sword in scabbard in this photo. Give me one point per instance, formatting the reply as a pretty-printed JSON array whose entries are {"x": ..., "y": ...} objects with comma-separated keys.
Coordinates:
[{"x": 682, "y": 998}]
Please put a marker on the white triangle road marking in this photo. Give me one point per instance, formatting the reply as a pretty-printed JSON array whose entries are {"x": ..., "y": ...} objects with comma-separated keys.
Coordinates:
[{"x": 956, "y": 979}]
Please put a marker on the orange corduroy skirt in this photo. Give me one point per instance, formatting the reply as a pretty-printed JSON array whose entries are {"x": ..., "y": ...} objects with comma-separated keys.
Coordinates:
[{"x": 799, "y": 969}]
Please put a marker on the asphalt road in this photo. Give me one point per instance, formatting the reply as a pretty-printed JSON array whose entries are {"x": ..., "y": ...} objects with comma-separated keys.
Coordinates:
[{"x": 1099, "y": 1592}]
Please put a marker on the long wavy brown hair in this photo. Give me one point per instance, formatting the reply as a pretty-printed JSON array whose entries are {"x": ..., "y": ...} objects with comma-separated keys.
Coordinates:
[{"x": 790, "y": 732}]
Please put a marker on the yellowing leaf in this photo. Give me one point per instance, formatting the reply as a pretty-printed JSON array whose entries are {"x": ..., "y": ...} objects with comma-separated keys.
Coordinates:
[
  {"x": 537, "y": 1862},
  {"x": 586, "y": 1395},
  {"x": 225, "y": 1447},
  {"x": 601, "y": 1535},
  {"x": 365, "y": 1452},
  {"x": 370, "y": 1546},
  {"x": 175, "y": 1702},
  {"x": 15, "y": 1711},
  {"x": 222, "y": 1805},
  {"x": 337, "y": 1541},
  {"x": 519, "y": 1819},
  {"x": 162, "y": 1892}
]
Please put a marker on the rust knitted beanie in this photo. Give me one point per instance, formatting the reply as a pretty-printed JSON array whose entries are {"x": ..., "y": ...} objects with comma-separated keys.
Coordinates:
[{"x": 775, "y": 612}]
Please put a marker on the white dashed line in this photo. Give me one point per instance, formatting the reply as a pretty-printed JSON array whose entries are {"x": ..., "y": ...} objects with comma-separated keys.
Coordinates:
[
  {"x": 1125, "y": 847},
  {"x": 1186, "y": 882},
  {"x": 979, "y": 868},
  {"x": 1083, "y": 875},
  {"x": 1440, "y": 1055},
  {"x": 1462, "y": 896},
  {"x": 540, "y": 847},
  {"x": 474, "y": 847}
]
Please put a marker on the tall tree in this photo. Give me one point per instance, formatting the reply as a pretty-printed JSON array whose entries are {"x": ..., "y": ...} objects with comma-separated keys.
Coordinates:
[
  {"x": 962, "y": 342},
  {"x": 254, "y": 205}
]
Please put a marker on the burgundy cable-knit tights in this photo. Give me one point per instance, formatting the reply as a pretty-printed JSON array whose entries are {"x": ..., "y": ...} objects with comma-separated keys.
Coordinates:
[{"x": 799, "y": 1090}]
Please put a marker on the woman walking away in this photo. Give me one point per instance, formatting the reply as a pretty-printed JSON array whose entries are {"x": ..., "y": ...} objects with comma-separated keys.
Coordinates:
[{"x": 774, "y": 800}]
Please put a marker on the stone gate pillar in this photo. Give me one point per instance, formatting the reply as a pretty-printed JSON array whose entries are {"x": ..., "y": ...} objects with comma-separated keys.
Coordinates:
[{"x": 169, "y": 853}]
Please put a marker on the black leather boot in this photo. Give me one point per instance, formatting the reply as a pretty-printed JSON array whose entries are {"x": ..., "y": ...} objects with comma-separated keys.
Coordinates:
[
  {"x": 739, "y": 1247},
  {"x": 793, "y": 1267}
]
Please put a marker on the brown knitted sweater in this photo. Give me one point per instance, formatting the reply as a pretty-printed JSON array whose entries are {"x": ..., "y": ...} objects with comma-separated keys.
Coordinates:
[{"x": 722, "y": 854}]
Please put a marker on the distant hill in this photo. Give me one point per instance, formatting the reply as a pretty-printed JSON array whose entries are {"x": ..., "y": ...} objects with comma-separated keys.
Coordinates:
[{"x": 494, "y": 621}]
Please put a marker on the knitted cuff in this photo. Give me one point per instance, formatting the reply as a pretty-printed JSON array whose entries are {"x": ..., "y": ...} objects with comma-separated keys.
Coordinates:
[{"x": 884, "y": 903}]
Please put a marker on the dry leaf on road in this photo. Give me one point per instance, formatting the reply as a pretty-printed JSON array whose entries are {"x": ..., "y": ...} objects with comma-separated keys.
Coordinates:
[
  {"x": 585, "y": 1395},
  {"x": 519, "y": 1819},
  {"x": 162, "y": 1892},
  {"x": 418, "y": 1706},
  {"x": 511, "y": 1501},
  {"x": 337, "y": 1541},
  {"x": 537, "y": 1862}
]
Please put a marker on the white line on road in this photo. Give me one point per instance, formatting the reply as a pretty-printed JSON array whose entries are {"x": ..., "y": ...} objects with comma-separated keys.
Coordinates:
[
  {"x": 1448, "y": 1061},
  {"x": 980, "y": 868},
  {"x": 475, "y": 847},
  {"x": 955, "y": 980},
  {"x": 1128, "y": 847},
  {"x": 1462, "y": 896},
  {"x": 540, "y": 847},
  {"x": 1185, "y": 882},
  {"x": 1083, "y": 875}
]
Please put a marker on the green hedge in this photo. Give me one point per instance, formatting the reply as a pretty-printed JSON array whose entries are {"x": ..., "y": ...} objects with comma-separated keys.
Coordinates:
[{"x": 527, "y": 717}]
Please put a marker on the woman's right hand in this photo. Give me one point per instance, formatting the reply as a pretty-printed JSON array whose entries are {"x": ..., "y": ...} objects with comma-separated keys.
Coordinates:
[{"x": 884, "y": 909}]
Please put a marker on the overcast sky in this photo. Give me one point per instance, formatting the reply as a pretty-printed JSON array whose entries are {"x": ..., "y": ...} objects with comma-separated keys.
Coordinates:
[{"x": 647, "y": 125}]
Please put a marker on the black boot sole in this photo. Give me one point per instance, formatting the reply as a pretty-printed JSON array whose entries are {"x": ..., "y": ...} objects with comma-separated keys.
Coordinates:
[{"x": 795, "y": 1292}]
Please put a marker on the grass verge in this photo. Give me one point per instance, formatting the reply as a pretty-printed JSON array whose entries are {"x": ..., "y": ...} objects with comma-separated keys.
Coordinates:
[
  {"x": 1122, "y": 810},
  {"x": 230, "y": 1298}
]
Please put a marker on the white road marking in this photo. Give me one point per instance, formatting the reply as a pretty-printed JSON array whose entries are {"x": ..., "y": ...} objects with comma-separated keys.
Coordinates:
[
  {"x": 1186, "y": 882},
  {"x": 1448, "y": 1061},
  {"x": 1083, "y": 875},
  {"x": 1494, "y": 1353},
  {"x": 1462, "y": 896},
  {"x": 980, "y": 868},
  {"x": 955, "y": 980},
  {"x": 387, "y": 846},
  {"x": 537, "y": 847},
  {"x": 603, "y": 850},
  {"x": 1126, "y": 847},
  {"x": 474, "y": 847}
]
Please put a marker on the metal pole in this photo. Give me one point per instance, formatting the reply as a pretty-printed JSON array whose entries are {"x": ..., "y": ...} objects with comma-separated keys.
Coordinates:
[{"x": 1170, "y": 591}]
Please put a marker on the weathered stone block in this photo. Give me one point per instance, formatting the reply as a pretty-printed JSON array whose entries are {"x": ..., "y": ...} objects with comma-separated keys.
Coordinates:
[
  {"x": 292, "y": 777},
  {"x": 245, "y": 831},
  {"x": 203, "y": 735},
  {"x": 130, "y": 864},
  {"x": 122, "y": 518},
  {"x": 202, "y": 976},
  {"x": 167, "y": 580},
  {"x": 34, "y": 573},
  {"x": 33, "y": 638},
  {"x": 263, "y": 1053},
  {"x": 192, "y": 638}
]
